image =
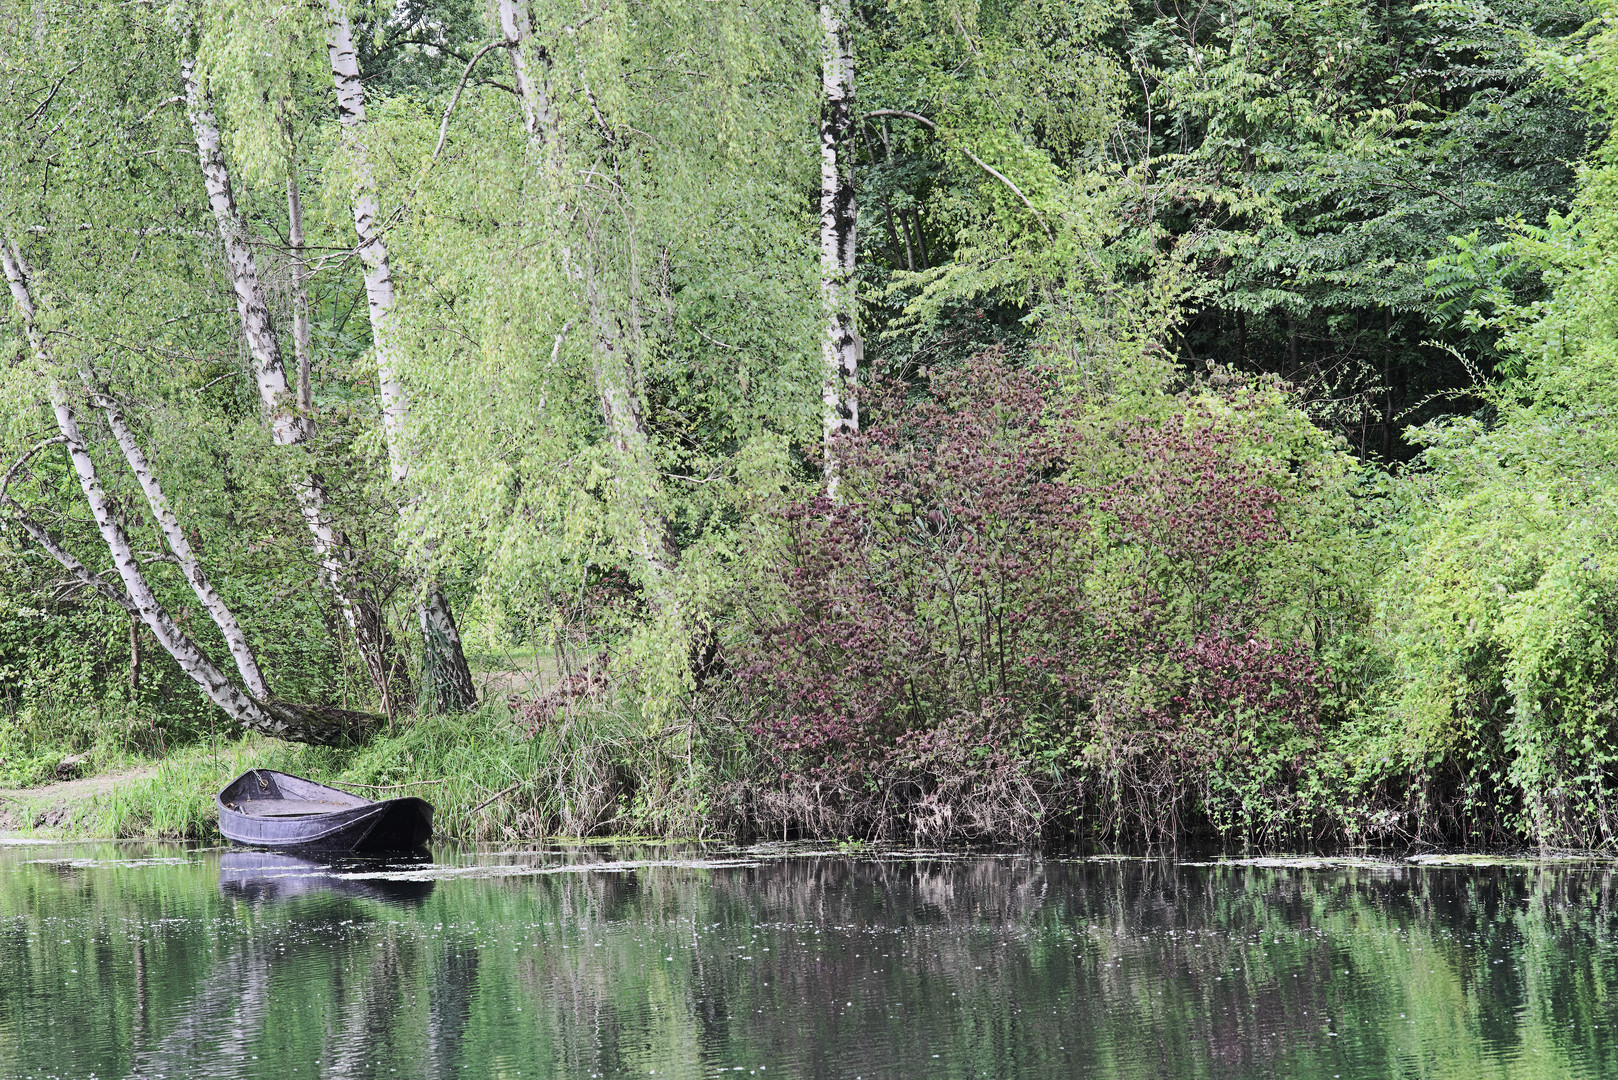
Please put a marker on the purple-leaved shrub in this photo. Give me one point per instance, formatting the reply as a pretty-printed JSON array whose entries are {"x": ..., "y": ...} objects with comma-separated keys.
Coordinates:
[{"x": 1021, "y": 612}]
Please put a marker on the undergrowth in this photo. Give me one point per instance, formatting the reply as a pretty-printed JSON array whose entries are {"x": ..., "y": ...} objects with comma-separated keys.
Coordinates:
[{"x": 595, "y": 771}]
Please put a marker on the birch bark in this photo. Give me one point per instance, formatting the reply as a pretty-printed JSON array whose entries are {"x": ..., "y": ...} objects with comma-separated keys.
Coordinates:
[
  {"x": 284, "y": 721},
  {"x": 444, "y": 661},
  {"x": 841, "y": 347},
  {"x": 613, "y": 361},
  {"x": 286, "y": 426},
  {"x": 241, "y": 651},
  {"x": 289, "y": 426},
  {"x": 302, "y": 346},
  {"x": 220, "y": 690},
  {"x": 373, "y": 248}
]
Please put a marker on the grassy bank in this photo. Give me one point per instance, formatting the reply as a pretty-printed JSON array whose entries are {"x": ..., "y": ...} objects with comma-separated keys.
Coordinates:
[{"x": 592, "y": 773}]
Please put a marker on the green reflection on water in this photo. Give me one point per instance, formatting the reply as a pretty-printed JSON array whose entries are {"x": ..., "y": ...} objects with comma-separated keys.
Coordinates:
[{"x": 120, "y": 960}]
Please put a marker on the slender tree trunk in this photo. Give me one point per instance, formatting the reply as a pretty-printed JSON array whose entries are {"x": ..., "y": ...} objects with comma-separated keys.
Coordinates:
[
  {"x": 1387, "y": 385},
  {"x": 302, "y": 346},
  {"x": 288, "y": 426},
  {"x": 533, "y": 84},
  {"x": 220, "y": 690},
  {"x": 840, "y": 347},
  {"x": 302, "y": 723},
  {"x": 921, "y": 239},
  {"x": 910, "y": 255},
  {"x": 190, "y": 566},
  {"x": 134, "y": 654},
  {"x": 613, "y": 369},
  {"x": 373, "y": 248},
  {"x": 887, "y": 205}
]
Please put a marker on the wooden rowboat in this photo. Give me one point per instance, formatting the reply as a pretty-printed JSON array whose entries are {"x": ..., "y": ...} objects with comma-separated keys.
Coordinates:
[{"x": 265, "y": 808}]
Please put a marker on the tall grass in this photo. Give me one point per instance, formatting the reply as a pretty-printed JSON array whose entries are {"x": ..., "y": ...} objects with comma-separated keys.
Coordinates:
[
  {"x": 593, "y": 771},
  {"x": 102, "y": 733},
  {"x": 176, "y": 801}
]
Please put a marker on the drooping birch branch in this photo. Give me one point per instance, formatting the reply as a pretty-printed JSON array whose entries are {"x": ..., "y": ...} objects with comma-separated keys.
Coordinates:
[
  {"x": 613, "y": 365},
  {"x": 23, "y": 459},
  {"x": 455, "y": 98}
]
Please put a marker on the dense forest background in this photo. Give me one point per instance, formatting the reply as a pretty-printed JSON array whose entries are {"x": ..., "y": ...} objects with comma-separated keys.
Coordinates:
[{"x": 942, "y": 420}]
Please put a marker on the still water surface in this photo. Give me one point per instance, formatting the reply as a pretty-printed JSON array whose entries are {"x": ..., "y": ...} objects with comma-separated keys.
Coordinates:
[{"x": 121, "y": 960}]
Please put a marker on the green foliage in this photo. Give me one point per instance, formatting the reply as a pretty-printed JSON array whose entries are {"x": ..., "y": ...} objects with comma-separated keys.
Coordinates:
[
  {"x": 1502, "y": 605},
  {"x": 1287, "y": 227}
]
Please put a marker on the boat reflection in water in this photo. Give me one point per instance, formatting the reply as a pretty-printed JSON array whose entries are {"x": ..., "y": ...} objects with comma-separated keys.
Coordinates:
[{"x": 271, "y": 875}]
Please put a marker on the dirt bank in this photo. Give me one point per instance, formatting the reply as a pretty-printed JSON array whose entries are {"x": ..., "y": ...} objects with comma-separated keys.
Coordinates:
[{"x": 51, "y": 806}]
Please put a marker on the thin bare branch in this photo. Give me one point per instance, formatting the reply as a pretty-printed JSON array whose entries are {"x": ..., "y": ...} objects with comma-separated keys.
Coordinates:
[
  {"x": 11, "y": 473},
  {"x": 454, "y": 99},
  {"x": 979, "y": 162}
]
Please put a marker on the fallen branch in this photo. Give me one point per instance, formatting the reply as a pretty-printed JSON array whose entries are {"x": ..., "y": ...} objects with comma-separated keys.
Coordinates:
[{"x": 495, "y": 796}]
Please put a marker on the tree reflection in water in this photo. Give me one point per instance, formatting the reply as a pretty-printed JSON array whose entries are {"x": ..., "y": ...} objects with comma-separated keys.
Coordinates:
[{"x": 124, "y": 960}]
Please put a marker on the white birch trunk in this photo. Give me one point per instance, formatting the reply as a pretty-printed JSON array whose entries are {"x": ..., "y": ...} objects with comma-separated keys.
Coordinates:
[
  {"x": 220, "y": 690},
  {"x": 241, "y": 650},
  {"x": 373, "y": 248},
  {"x": 444, "y": 660},
  {"x": 539, "y": 114},
  {"x": 214, "y": 604},
  {"x": 302, "y": 346},
  {"x": 285, "y": 424},
  {"x": 288, "y": 426},
  {"x": 613, "y": 367},
  {"x": 840, "y": 347},
  {"x": 300, "y": 722}
]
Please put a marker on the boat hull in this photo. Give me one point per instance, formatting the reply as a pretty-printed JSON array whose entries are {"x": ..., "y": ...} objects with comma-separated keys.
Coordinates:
[{"x": 268, "y": 809}]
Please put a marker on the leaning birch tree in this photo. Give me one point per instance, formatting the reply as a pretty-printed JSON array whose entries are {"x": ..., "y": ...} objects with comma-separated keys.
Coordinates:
[
  {"x": 283, "y": 409},
  {"x": 252, "y": 708}
]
